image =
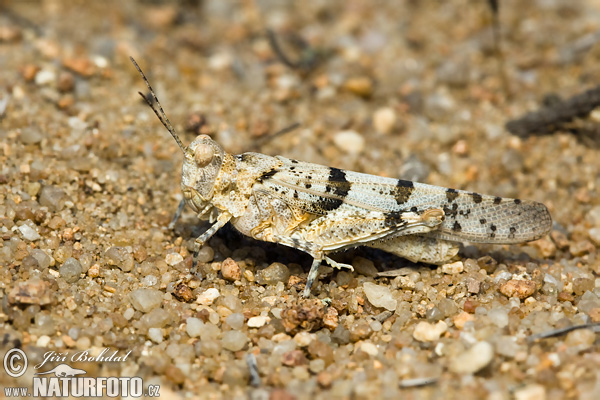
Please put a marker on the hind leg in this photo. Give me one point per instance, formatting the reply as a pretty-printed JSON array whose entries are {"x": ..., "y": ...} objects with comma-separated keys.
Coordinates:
[{"x": 419, "y": 248}]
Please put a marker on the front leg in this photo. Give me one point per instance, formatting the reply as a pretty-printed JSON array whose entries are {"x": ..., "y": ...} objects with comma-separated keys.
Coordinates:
[{"x": 222, "y": 219}]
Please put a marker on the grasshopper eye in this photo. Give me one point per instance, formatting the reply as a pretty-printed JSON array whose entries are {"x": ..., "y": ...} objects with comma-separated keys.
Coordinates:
[{"x": 203, "y": 155}]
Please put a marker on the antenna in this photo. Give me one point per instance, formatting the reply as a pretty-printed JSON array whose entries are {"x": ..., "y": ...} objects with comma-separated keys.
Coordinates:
[{"x": 161, "y": 115}]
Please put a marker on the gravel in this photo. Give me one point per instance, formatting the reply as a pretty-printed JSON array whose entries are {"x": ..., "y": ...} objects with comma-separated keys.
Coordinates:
[{"x": 89, "y": 183}]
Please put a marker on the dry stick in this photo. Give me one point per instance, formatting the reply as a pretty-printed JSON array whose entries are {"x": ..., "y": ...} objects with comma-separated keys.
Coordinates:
[
  {"x": 595, "y": 326},
  {"x": 306, "y": 62},
  {"x": 549, "y": 119},
  {"x": 495, "y": 7}
]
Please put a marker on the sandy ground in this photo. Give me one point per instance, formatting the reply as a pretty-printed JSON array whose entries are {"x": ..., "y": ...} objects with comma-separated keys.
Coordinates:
[{"x": 89, "y": 181}]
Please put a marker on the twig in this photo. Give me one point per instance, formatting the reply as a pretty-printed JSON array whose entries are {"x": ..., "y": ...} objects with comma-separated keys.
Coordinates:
[{"x": 595, "y": 326}]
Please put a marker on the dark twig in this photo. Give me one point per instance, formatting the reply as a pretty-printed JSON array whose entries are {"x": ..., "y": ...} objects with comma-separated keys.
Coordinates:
[
  {"x": 549, "y": 119},
  {"x": 253, "y": 368},
  {"x": 268, "y": 138},
  {"x": 595, "y": 326},
  {"x": 308, "y": 58}
]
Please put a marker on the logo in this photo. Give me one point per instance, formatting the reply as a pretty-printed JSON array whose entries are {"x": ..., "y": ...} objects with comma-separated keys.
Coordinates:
[{"x": 65, "y": 381}]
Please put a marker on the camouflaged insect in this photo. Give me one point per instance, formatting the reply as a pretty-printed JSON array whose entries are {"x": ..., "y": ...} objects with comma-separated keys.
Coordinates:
[{"x": 320, "y": 210}]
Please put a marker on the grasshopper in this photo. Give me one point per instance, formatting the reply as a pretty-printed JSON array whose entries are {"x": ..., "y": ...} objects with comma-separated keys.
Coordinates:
[{"x": 320, "y": 210}]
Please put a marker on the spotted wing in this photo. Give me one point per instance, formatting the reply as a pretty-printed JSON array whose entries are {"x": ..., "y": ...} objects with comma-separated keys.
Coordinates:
[{"x": 474, "y": 217}]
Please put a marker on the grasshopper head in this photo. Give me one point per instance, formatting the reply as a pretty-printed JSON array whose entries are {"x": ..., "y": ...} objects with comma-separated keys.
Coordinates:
[{"x": 201, "y": 166}]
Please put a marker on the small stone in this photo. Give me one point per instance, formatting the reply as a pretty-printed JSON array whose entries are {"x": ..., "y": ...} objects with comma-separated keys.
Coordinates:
[
  {"x": 581, "y": 339},
  {"x": 594, "y": 235},
  {"x": 155, "y": 334},
  {"x": 428, "y": 332},
  {"x": 71, "y": 270},
  {"x": 330, "y": 320},
  {"x": 120, "y": 257},
  {"x": 183, "y": 292},
  {"x": 273, "y": 274},
  {"x": 532, "y": 391},
  {"x": 545, "y": 246},
  {"x": 206, "y": 254},
  {"x": 359, "y": 330},
  {"x": 258, "y": 321},
  {"x": 208, "y": 297},
  {"x": 157, "y": 318},
  {"x": 173, "y": 259},
  {"x": 453, "y": 268},
  {"x": 65, "y": 82},
  {"x": 581, "y": 248},
  {"x": 361, "y": 86},
  {"x": 384, "y": 120},
  {"x": 350, "y": 142},
  {"x": 304, "y": 338},
  {"x": 194, "y": 326},
  {"x": 146, "y": 299},
  {"x": 461, "y": 319},
  {"x": 364, "y": 267},
  {"x": 29, "y": 233},
  {"x": 294, "y": 358},
  {"x": 234, "y": 340},
  {"x": 380, "y": 296},
  {"x": 582, "y": 285},
  {"x": 560, "y": 240},
  {"x": 82, "y": 66},
  {"x": 53, "y": 197},
  {"x": 32, "y": 291},
  {"x": 174, "y": 374},
  {"x": 368, "y": 348},
  {"x": 44, "y": 77},
  {"x": 235, "y": 321},
  {"x": 518, "y": 288},
  {"x": 473, "y": 360},
  {"x": 30, "y": 135},
  {"x": 231, "y": 270}
]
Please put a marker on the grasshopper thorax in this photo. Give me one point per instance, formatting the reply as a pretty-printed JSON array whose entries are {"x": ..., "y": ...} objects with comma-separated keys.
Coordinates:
[{"x": 201, "y": 166}]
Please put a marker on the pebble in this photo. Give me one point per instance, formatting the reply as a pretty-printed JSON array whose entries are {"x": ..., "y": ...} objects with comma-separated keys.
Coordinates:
[
  {"x": 173, "y": 259},
  {"x": 208, "y": 297},
  {"x": 581, "y": 339},
  {"x": 258, "y": 321},
  {"x": 206, "y": 254},
  {"x": 518, "y": 288},
  {"x": 384, "y": 119},
  {"x": 532, "y": 391},
  {"x": 44, "y": 77},
  {"x": 453, "y": 268},
  {"x": 361, "y": 86},
  {"x": 156, "y": 335},
  {"x": 52, "y": 197},
  {"x": 364, "y": 266},
  {"x": 594, "y": 235},
  {"x": 235, "y": 321},
  {"x": 473, "y": 359},
  {"x": 29, "y": 233},
  {"x": 304, "y": 338},
  {"x": 499, "y": 317},
  {"x": 120, "y": 257},
  {"x": 350, "y": 142},
  {"x": 157, "y": 318},
  {"x": 368, "y": 348},
  {"x": 273, "y": 274},
  {"x": 380, "y": 296},
  {"x": 234, "y": 340},
  {"x": 194, "y": 326},
  {"x": 146, "y": 299},
  {"x": 42, "y": 258},
  {"x": 30, "y": 135},
  {"x": 428, "y": 332},
  {"x": 231, "y": 270},
  {"x": 71, "y": 270},
  {"x": 32, "y": 291}
]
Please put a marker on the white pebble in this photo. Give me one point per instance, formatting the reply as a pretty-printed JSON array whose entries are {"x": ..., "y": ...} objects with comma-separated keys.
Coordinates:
[
  {"x": 29, "y": 233},
  {"x": 474, "y": 359},
  {"x": 531, "y": 392},
  {"x": 194, "y": 326},
  {"x": 258, "y": 321},
  {"x": 349, "y": 141},
  {"x": 146, "y": 299},
  {"x": 368, "y": 348},
  {"x": 207, "y": 297},
  {"x": 304, "y": 338},
  {"x": 380, "y": 296},
  {"x": 128, "y": 314},
  {"x": 43, "y": 341},
  {"x": 44, "y": 77},
  {"x": 235, "y": 321},
  {"x": 428, "y": 332},
  {"x": 234, "y": 340},
  {"x": 384, "y": 119},
  {"x": 156, "y": 335},
  {"x": 173, "y": 259},
  {"x": 454, "y": 268}
]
